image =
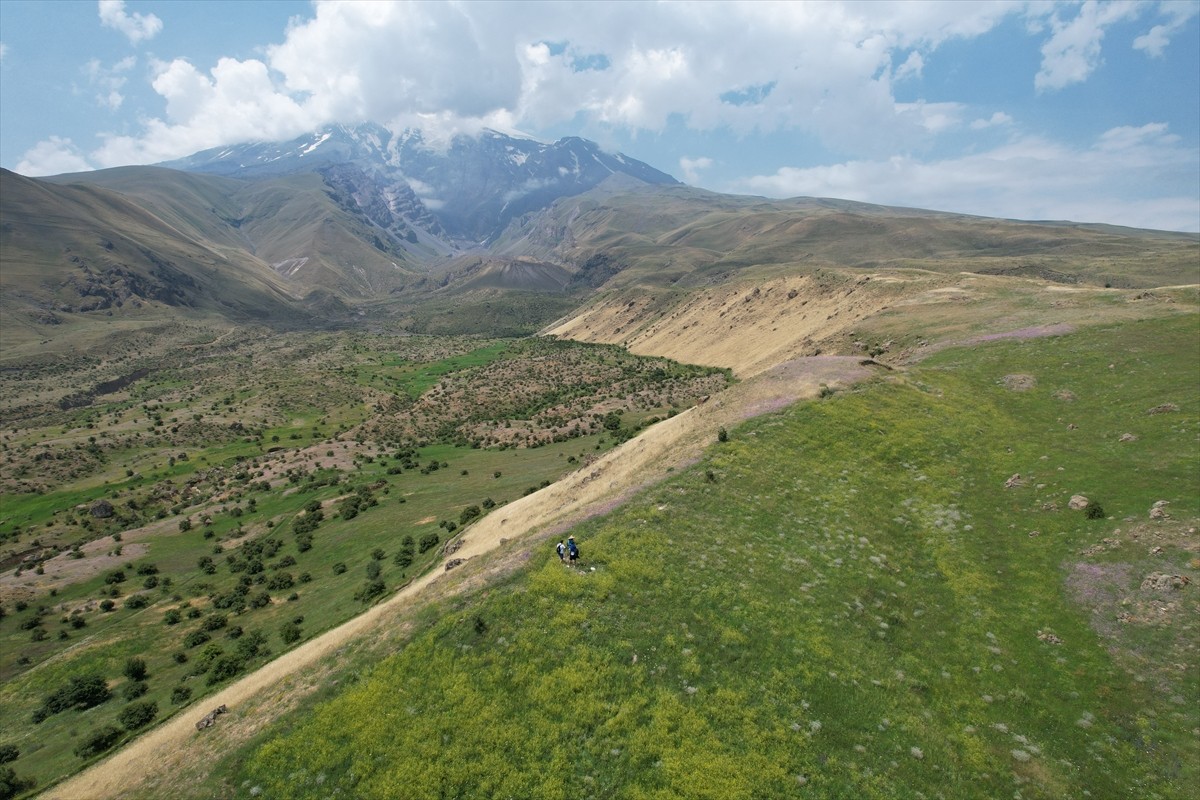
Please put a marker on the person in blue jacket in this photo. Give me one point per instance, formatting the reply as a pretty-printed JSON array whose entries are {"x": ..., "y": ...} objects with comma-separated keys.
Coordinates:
[{"x": 572, "y": 549}]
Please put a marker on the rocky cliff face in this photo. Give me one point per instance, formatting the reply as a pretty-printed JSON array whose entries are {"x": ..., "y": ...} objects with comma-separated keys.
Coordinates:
[{"x": 462, "y": 192}]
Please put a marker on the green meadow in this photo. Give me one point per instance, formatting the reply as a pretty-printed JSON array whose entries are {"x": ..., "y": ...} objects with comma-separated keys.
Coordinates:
[
  {"x": 206, "y": 527},
  {"x": 844, "y": 599}
]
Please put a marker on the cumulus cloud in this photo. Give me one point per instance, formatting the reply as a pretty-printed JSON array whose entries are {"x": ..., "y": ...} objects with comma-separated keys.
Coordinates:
[
  {"x": 690, "y": 167},
  {"x": 136, "y": 27},
  {"x": 1030, "y": 178},
  {"x": 1073, "y": 51},
  {"x": 3, "y": 50},
  {"x": 825, "y": 70},
  {"x": 1155, "y": 40},
  {"x": 52, "y": 157}
]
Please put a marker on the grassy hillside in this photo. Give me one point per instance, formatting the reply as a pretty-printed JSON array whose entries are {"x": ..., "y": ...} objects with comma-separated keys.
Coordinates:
[
  {"x": 220, "y": 503},
  {"x": 679, "y": 236},
  {"x": 853, "y": 598}
]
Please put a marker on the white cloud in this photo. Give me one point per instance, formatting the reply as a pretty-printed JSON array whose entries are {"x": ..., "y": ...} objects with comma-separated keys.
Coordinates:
[
  {"x": 911, "y": 68},
  {"x": 1155, "y": 40},
  {"x": 136, "y": 27},
  {"x": 108, "y": 81},
  {"x": 1031, "y": 178},
  {"x": 52, "y": 157},
  {"x": 691, "y": 168},
  {"x": 997, "y": 119},
  {"x": 1073, "y": 51},
  {"x": 462, "y": 66},
  {"x": 3, "y": 50}
]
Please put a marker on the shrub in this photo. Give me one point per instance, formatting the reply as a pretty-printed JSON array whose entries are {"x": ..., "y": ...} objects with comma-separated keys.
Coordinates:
[
  {"x": 137, "y": 601},
  {"x": 468, "y": 514},
  {"x": 135, "y": 715},
  {"x": 135, "y": 669},
  {"x": 213, "y": 622},
  {"x": 372, "y": 570},
  {"x": 195, "y": 639},
  {"x": 722, "y": 435},
  {"x": 134, "y": 690},
  {"x": 117, "y": 576},
  {"x": 378, "y": 554},
  {"x": 289, "y": 632},
  {"x": 80, "y": 692},
  {"x": 225, "y": 667},
  {"x": 370, "y": 591},
  {"x": 1094, "y": 511},
  {"x": 98, "y": 741},
  {"x": 180, "y": 695},
  {"x": 11, "y": 785},
  {"x": 280, "y": 581},
  {"x": 8, "y": 752},
  {"x": 429, "y": 541},
  {"x": 172, "y": 617}
]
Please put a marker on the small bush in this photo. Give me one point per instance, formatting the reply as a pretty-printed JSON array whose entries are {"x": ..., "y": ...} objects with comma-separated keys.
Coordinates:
[
  {"x": 195, "y": 639},
  {"x": 370, "y": 591},
  {"x": 213, "y": 622},
  {"x": 225, "y": 667},
  {"x": 722, "y": 435},
  {"x": 280, "y": 581},
  {"x": 289, "y": 632},
  {"x": 134, "y": 690},
  {"x": 429, "y": 541},
  {"x": 136, "y": 715},
  {"x": 1094, "y": 511},
  {"x": 137, "y": 601},
  {"x": 135, "y": 669},
  {"x": 8, "y": 752},
  {"x": 11, "y": 785},
  {"x": 180, "y": 695},
  {"x": 80, "y": 692},
  {"x": 98, "y": 741}
]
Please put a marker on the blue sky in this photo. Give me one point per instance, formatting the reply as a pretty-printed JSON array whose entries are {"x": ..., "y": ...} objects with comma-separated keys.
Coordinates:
[{"x": 1040, "y": 110}]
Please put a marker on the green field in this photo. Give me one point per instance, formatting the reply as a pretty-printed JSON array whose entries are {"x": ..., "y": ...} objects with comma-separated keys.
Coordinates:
[
  {"x": 843, "y": 600},
  {"x": 175, "y": 523}
]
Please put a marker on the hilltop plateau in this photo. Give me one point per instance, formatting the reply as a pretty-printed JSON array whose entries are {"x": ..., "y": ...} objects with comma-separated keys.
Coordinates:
[{"x": 873, "y": 501}]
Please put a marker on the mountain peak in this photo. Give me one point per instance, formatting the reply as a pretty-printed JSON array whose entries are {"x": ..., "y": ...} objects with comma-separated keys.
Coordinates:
[{"x": 472, "y": 188}]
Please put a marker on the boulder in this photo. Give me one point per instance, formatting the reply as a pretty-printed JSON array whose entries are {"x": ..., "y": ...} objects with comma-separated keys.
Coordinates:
[{"x": 1078, "y": 502}]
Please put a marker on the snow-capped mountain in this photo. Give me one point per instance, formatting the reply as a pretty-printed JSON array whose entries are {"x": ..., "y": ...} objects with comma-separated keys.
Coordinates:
[{"x": 463, "y": 192}]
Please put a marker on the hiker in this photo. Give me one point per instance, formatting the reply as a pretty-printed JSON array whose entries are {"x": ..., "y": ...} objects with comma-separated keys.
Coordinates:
[
  {"x": 561, "y": 550},
  {"x": 572, "y": 549}
]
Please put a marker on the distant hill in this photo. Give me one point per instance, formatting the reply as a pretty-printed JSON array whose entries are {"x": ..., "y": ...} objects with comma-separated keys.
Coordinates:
[
  {"x": 679, "y": 235},
  {"x": 478, "y": 235}
]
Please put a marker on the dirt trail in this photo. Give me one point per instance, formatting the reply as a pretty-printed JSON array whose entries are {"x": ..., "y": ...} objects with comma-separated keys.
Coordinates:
[{"x": 592, "y": 490}]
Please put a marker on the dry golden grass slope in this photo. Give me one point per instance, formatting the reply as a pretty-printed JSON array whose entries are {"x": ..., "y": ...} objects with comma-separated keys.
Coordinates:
[{"x": 751, "y": 325}]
